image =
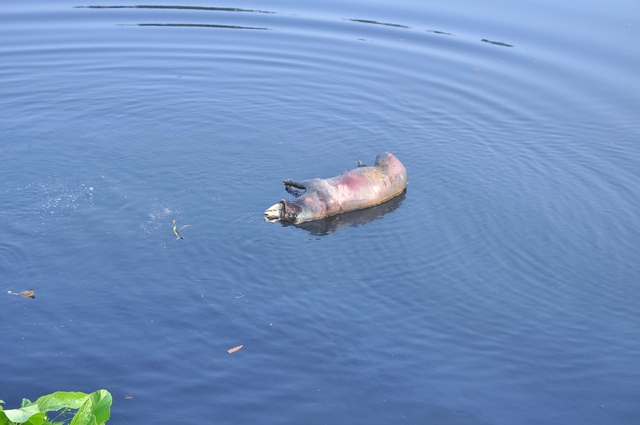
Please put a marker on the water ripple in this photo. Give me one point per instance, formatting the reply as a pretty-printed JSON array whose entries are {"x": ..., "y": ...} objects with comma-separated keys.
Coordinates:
[
  {"x": 200, "y": 26},
  {"x": 206, "y": 8},
  {"x": 13, "y": 262},
  {"x": 506, "y": 274},
  {"x": 366, "y": 21}
]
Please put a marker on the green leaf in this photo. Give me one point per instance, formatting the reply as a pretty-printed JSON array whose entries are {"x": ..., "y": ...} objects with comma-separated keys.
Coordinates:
[
  {"x": 48, "y": 422},
  {"x": 93, "y": 409},
  {"x": 37, "y": 419},
  {"x": 101, "y": 408},
  {"x": 60, "y": 400},
  {"x": 22, "y": 414},
  {"x": 84, "y": 416},
  {"x": 96, "y": 410},
  {"x": 3, "y": 418}
]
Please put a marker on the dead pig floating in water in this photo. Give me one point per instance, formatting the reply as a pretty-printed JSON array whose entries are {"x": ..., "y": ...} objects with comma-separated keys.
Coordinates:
[{"x": 360, "y": 188}]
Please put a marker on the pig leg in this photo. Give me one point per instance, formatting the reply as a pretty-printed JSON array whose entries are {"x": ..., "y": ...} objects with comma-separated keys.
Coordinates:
[{"x": 292, "y": 187}]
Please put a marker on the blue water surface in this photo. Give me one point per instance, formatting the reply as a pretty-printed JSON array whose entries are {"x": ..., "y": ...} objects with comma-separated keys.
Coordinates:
[{"x": 501, "y": 288}]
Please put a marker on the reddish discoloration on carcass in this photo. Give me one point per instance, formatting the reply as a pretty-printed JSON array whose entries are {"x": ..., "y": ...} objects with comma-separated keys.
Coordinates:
[{"x": 356, "y": 189}]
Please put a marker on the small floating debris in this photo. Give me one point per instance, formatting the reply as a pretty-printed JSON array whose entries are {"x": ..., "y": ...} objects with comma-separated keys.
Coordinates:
[
  {"x": 234, "y": 349},
  {"x": 176, "y": 230},
  {"x": 497, "y": 43},
  {"x": 26, "y": 294}
]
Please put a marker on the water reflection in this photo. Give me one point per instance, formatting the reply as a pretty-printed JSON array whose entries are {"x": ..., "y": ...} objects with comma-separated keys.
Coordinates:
[
  {"x": 143, "y": 6},
  {"x": 235, "y": 9},
  {"x": 439, "y": 32},
  {"x": 235, "y": 27},
  {"x": 365, "y": 21},
  {"x": 497, "y": 43},
  {"x": 329, "y": 225}
]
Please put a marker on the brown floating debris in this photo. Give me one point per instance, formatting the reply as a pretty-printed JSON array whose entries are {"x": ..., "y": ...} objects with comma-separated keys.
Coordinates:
[
  {"x": 234, "y": 349},
  {"x": 26, "y": 294}
]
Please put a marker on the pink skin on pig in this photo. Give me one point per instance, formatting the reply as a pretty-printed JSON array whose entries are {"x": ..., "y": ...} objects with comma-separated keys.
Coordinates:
[{"x": 356, "y": 189}]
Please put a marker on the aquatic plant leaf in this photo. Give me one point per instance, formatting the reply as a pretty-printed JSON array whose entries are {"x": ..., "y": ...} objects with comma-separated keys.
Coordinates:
[
  {"x": 37, "y": 419},
  {"x": 101, "y": 405},
  {"x": 22, "y": 414},
  {"x": 84, "y": 415},
  {"x": 49, "y": 422},
  {"x": 93, "y": 409},
  {"x": 60, "y": 400}
]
